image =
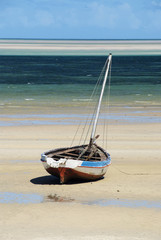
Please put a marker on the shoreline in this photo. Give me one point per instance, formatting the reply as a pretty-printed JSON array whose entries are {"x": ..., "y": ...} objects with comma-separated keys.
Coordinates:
[{"x": 74, "y": 115}]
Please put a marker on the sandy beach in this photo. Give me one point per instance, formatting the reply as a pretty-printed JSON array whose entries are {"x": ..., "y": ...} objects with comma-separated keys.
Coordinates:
[
  {"x": 124, "y": 205},
  {"x": 79, "y": 47}
]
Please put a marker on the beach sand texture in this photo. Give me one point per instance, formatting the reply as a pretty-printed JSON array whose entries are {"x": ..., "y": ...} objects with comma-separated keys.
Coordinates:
[
  {"x": 82, "y": 210},
  {"x": 124, "y": 205}
]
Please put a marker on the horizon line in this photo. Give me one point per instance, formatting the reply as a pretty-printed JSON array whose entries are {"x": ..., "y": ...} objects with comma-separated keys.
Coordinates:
[{"x": 86, "y": 39}]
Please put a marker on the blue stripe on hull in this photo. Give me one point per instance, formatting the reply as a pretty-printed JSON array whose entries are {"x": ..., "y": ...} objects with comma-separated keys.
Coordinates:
[{"x": 96, "y": 164}]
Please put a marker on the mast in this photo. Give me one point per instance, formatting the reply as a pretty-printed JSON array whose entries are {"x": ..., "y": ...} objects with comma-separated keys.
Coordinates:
[{"x": 92, "y": 139}]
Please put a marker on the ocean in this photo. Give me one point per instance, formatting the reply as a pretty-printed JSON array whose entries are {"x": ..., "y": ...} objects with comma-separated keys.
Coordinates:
[{"x": 38, "y": 84}]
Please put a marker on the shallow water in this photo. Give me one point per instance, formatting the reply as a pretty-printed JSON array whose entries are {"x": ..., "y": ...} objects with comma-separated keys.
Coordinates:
[
  {"x": 26, "y": 198},
  {"x": 21, "y": 198},
  {"x": 107, "y": 202},
  {"x": 74, "y": 119},
  {"x": 125, "y": 203}
]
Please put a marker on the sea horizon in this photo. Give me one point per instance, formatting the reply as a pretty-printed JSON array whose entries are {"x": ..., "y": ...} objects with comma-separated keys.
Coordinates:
[{"x": 108, "y": 39}]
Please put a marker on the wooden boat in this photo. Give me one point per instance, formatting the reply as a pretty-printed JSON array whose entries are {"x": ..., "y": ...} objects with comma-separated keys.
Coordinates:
[{"x": 87, "y": 161}]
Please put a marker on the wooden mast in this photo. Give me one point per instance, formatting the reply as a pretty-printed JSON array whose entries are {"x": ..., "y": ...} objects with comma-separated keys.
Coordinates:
[{"x": 93, "y": 138}]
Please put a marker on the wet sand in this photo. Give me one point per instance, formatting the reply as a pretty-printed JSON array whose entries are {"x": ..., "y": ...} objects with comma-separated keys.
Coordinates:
[{"x": 81, "y": 210}]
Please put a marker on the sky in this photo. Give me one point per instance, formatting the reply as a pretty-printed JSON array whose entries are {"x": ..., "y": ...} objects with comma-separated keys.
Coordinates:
[{"x": 80, "y": 19}]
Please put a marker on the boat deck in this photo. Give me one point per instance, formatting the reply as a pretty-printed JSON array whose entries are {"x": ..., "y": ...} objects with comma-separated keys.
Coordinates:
[{"x": 75, "y": 154}]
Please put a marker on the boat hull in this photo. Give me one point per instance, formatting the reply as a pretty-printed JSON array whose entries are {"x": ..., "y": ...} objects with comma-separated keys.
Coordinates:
[{"x": 67, "y": 169}]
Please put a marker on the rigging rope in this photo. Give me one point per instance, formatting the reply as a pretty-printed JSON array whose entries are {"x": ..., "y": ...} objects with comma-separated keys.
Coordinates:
[
  {"x": 89, "y": 120},
  {"x": 88, "y": 117},
  {"x": 96, "y": 91}
]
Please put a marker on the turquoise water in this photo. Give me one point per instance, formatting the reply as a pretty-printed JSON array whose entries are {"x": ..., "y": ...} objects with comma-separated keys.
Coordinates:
[
  {"x": 69, "y": 80},
  {"x": 48, "y": 85}
]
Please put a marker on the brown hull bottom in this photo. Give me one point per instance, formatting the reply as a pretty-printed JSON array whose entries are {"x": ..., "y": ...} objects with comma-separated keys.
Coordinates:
[{"x": 66, "y": 174}]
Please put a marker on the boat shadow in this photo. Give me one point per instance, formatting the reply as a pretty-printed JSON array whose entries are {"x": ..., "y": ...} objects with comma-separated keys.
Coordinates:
[{"x": 51, "y": 180}]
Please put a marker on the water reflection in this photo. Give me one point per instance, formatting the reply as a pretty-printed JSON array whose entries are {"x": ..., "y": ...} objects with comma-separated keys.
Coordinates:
[
  {"x": 125, "y": 203},
  {"x": 21, "y": 198},
  {"x": 26, "y": 198}
]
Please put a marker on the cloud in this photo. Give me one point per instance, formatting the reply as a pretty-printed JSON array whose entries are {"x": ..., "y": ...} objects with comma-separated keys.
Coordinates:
[
  {"x": 44, "y": 18},
  {"x": 112, "y": 17},
  {"x": 13, "y": 16},
  {"x": 156, "y": 3},
  {"x": 118, "y": 17},
  {"x": 154, "y": 20}
]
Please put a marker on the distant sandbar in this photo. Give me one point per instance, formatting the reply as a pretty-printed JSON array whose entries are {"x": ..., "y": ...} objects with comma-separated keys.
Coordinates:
[{"x": 79, "y": 47}]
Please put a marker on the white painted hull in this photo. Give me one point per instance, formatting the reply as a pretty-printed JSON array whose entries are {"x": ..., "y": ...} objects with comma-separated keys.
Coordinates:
[{"x": 67, "y": 169}]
